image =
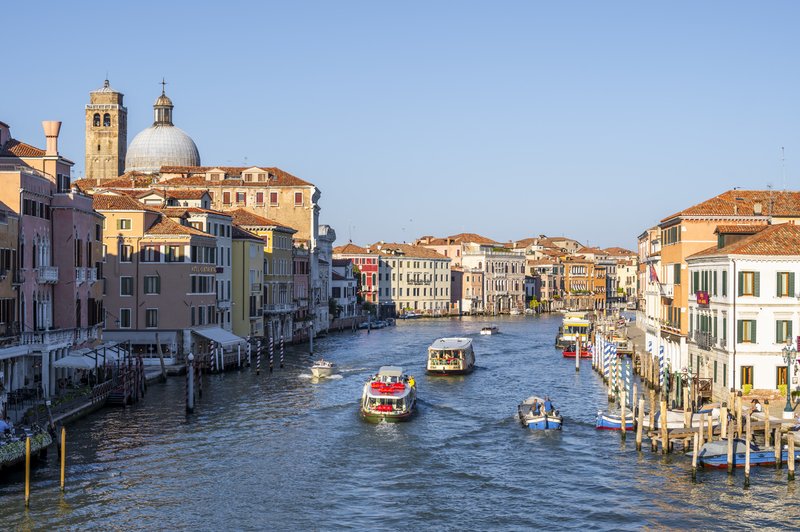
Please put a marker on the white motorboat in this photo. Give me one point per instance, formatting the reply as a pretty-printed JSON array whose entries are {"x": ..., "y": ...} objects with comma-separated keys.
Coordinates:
[
  {"x": 489, "y": 330},
  {"x": 451, "y": 356},
  {"x": 322, "y": 368},
  {"x": 537, "y": 413}
]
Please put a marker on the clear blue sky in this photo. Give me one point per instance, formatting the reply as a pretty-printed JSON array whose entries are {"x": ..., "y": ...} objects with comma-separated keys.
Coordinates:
[{"x": 510, "y": 119}]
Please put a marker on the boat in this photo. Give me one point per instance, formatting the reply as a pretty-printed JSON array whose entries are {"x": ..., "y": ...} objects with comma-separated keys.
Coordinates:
[
  {"x": 676, "y": 419},
  {"x": 389, "y": 396},
  {"x": 613, "y": 421},
  {"x": 322, "y": 368},
  {"x": 575, "y": 325},
  {"x": 715, "y": 454},
  {"x": 569, "y": 352},
  {"x": 490, "y": 330},
  {"x": 515, "y": 312},
  {"x": 451, "y": 356},
  {"x": 409, "y": 316},
  {"x": 541, "y": 419}
]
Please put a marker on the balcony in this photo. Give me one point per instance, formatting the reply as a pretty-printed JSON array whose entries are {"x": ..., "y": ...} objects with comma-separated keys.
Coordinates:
[
  {"x": 272, "y": 309},
  {"x": 80, "y": 275},
  {"x": 704, "y": 340},
  {"x": 223, "y": 304},
  {"x": 47, "y": 274},
  {"x": 255, "y": 287},
  {"x": 426, "y": 281},
  {"x": 91, "y": 275},
  {"x": 668, "y": 290},
  {"x": 18, "y": 277}
]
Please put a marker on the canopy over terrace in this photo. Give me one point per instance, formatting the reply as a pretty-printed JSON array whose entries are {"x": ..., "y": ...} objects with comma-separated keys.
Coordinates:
[{"x": 219, "y": 335}]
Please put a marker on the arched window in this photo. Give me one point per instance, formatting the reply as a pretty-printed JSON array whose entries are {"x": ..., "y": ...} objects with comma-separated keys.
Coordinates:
[
  {"x": 96, "y": 120},
  {"x": 106, "y": 120}
]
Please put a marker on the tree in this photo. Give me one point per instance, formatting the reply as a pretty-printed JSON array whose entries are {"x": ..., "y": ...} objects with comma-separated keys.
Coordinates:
[{"x": 534, "y": 303}]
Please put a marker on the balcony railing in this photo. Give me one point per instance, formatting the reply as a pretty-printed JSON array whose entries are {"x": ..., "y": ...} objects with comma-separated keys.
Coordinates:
[
  {"x": 80, "y": 275},
  {"x": 47, "y": 274},
  {"x": 425, "y": 281},
  {"x": 255, "y": 287},
  {"x": 668, "y": 290},
  {"x": 704, "y": 339},
  {"x": 223, "y": 304},
  {"x": 287, "y": 307},
  {"x": 91, "y": 275}
]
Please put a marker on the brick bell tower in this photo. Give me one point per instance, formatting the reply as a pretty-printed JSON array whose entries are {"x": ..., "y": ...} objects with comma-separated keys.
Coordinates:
[{"x": 106, "y": 134}]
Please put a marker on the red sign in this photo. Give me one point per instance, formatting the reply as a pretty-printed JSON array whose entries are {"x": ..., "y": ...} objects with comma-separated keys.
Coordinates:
[
  {"x": 798, "y": 344},
  {"x": 702, "y": 298}
]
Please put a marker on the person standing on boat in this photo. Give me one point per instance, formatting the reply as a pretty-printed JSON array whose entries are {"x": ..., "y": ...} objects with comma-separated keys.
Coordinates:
[
  {"x": 548, "y": 406},
  {"x": 535, "y": 407}
]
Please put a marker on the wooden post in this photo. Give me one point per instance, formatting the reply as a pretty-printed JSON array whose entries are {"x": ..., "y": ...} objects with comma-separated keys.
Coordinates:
[
  {"x": 63, "y": 454},
  {"x": 577, "y": 352},
  {"x": 634, "y": 396},
  {"x": 747, "y": 454},
  {"x": 777, "y": 444},
  {"x": 639, "y": 427},
  {"x": 686, "y": 405},
  {"x": 767, "y": 432},
  {"x": 694, "y": 456},
  {"x": 739, "y": 415},
  {"x": 664, "y": 430},
  {"x": 790, "y": 458},
  {"x": 27, "y": 472},
  {"x": 623, "y": 424},
  {"x": 730, "y": 449},
  {"x": 723, "y": 421},
  {"x": 652, "y": 409},
  {"x": 700, "y": 428},
  {"x": 710, "y": 428}
]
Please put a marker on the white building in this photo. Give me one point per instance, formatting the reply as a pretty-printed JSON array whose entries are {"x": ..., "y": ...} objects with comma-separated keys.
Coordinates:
[
  {"x": 504, "y": 276},
  {"x": 743, "y": 308},
  {"x": 344, "y": 288}
]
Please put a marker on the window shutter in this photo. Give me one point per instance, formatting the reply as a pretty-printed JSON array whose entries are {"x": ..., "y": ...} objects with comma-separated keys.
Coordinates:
[
  {"x": 724, "y": 282},
  {"x": 741, "y": 282},
  {"x": 739, "y": 329},
  {"x": 756, "y": 282},
  {"x": 779, "y": 283},
  {"x": 788, "y": 330},
  {"x": 791, "y": 284},
  {"x": 778, "y": 327},
  {"x": 753, "y": 337},
  {"x": 715, "y": 282},
  {"x": 696, "y": 282}
]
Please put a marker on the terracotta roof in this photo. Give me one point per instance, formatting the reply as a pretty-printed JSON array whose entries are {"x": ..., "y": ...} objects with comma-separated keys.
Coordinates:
[
  {"x": 349, "y": 249},
  {"x": 15, "y": 148},
  {"x": 525, "y": 242},
  {"x": 166, "y": 226},
  {"x": 242, "y": 234},
  {"x": 408, "y": 250},
  {"x": 618, "y": 251},
  {"x": 246, "y": 218},
  {"x": 744, "y": 229},
  {"x": 112, "y": 202},
  {"x": 781, "y": 239},
  {"x": 282, "y": 178},
  {"x": 471, "y": 238},
  {"x": 741, "y": 203},
  {"x": 342, "y": 262},
  {"x": 127, "y": 180},
  {"x": 179, "y": 211},
  {"x": 336, "y": 277}
]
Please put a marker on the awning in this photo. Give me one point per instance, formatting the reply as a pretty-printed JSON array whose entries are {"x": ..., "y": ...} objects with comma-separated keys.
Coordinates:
[
  {"x": 76, "y": 362},
  {"x": 139, "y": 337},
  {"x": 15, "y": 351},
  {"x": 220, "y": 335}
]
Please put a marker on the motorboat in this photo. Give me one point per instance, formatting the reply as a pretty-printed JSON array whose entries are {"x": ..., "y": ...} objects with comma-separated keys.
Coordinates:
[
  {"x": 322, "y": 368},
  {"x": 676, "y": 419},
  {"x": 451, "y": 356},
  {"x": 613, "y": 420},
  {"x": 715, "y": 454},
  {"x": 539, "y": 414},
  {"x": 515, "y": 312},
  {"x": 389, "y": 396},
  {"x": 569, "y": 352},
  {"x": 490, "y": 330},
  {"x": 575, "y": 325}
]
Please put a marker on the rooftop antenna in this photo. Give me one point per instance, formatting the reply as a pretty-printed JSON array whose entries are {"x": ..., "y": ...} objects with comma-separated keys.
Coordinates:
[{"x": 783, "y": 168}]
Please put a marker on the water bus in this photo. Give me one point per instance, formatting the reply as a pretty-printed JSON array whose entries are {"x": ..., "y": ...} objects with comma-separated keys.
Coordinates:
[
  {"x": 489, "y": 330},
  {"x": 575, "y": 325},
  {"x": 389, "y": 396},
  {"x": 451, "y": 356}
]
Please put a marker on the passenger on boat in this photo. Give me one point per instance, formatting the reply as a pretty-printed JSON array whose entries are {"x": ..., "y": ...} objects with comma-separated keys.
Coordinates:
[
  {"x": 535, "y": 407},
  {"x": 411, "y": 381},
  {"x": 548, "y": 406}
]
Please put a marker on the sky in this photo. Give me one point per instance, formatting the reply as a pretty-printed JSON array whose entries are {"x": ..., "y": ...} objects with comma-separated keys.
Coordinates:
[{"x": 592, "y": 120}]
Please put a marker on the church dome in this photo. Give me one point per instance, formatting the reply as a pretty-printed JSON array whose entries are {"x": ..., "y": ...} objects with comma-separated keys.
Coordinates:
[{"x": 161, "y": 144}]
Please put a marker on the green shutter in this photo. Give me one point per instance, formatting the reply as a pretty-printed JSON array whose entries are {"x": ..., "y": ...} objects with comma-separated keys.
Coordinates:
[
  {"x": 715, "y": 282},
  {"x": 756, "y": 283},
  {"x": 724, "y": 282},
  {"x": 715, "y": 326},
  {"x": 779, "y": 282},
  {"x": 788, "y": 330},
  {"x": 791, "y": 284},
  {"x": 678, "y": 274},
  {"x": 778, "y": 327},
  {"x": 741, "y": 282},
  {"x": 754, "y": 336},
  {"x": 696, "y": 282},
  {"x": 739, "y": 331},
  {"x": 724, "y": 328}
]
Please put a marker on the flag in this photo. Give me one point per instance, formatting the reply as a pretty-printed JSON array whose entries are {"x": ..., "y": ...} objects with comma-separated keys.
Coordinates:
[{"x": 653, "y": 275}]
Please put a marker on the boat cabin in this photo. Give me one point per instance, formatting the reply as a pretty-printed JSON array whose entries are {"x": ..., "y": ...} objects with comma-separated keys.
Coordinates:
[{"x": 449, "y": 350}]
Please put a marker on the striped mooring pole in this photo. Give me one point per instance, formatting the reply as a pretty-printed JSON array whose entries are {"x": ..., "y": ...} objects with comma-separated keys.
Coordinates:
[
  {"x": 271, "y": 350},
  {"x": 258, "y": 357},
  {"x": 281, "y": 348}
]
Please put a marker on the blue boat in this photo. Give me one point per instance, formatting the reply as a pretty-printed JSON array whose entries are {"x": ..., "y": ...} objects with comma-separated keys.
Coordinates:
[
  {"x": 533, "y": 414},
  {"x": 613, "y": 421},
  {"x": 715, "y": 454}
]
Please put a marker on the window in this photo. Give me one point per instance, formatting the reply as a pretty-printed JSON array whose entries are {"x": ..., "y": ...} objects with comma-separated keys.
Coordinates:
[
  {"x": 124, "y": 224},
  {"x": 785, "y": 281},
  {"x": 298, "y": 198},
  {"x": 124, "y": 318},
  {"x": 780, "y": 376},
  {"x": 96, "y": 121},
  {"x": 106, "y": 120},
  {"x": 151, "y": 318},
  {"x": 749, "y": 284},
  {"x": 724, "y": 283},
  {"x": 273, "y": 198},
  {"x": 125, "y": 253},
  {"x": 783, "y": 331},
  {"x": 746, "y": 331},
  {"x": 259, "y": 198},
  {"x": 98, "y": 232},
  {"x": 151, "y": 253},
  {"x": 747, "y": 375},
  {"x": 126, "y": 286},
  {"x": 677, "y": 273},
  {"x": 226, "y": 198},
  {"x": 724, "y": 374},
  {"x": 152, "y": 284},
  {"x": 173, "y": 254},
  {"x": 241, "y": 197}
]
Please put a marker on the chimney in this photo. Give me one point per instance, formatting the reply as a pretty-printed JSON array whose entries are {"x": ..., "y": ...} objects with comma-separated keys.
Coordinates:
[
  {"x": 51, "y": 129},
  {"x": 757, "y": 208}
]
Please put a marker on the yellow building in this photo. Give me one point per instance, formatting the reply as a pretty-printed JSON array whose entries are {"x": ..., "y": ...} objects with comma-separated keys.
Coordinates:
[{"x": 246, "y": 275}]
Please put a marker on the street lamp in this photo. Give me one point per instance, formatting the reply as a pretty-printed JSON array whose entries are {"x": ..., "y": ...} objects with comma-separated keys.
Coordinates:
[{"x": 789, "y": 354}]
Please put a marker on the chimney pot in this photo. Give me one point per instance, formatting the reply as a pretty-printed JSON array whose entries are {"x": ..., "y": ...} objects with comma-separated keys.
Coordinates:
[{"x": 51, "y": 130}]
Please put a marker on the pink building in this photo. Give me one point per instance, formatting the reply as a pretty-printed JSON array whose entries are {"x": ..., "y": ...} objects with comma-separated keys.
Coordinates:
[{"x": 301, "y": 271}]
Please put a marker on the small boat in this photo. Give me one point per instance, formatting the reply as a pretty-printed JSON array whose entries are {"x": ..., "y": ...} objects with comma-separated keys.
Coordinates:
[
  {"x": 676, "y": 419},
  {"x": 451, "y": 356},
  {"x": 515, "y": 312},
  {"x": 569, "y": 352},
  {"x": 389, "y": 396},
  {"x": 715, "y": 454},
  {"x": 322, "y": 368},
  {"x": 613, "y": 421},
  {"x": 490, "y": 330},
  {"x": 534, "y": 416}
]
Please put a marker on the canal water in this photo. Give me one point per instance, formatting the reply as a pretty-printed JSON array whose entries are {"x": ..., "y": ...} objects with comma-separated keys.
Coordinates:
[{"x": 284, "y": 452}]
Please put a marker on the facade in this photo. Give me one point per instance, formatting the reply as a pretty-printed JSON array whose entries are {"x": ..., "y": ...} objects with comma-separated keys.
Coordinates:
[
  {"x": 551, "y": 282},
  {"x": 301, "y": 284},
  {"x": 503, "y": 276},
  {"x": 365, "y": 265},
  {"x": 344, "y": 288},
  {"x": 106, "y": 133},
  {"x": 454, "y": 246},
  {"x": 743, "y": 309},
  {"x": 247, "y": 273},
  {"x": 466, "y": 290},
  {"x": 579, "y": 283}
]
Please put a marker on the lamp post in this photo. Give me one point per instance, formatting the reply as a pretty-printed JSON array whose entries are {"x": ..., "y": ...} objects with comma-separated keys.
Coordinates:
[{"x": 789, "y": 353}]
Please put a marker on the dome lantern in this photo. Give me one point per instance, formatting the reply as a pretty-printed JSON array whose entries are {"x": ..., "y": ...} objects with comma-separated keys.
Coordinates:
[{"x": 162, "y": 109}]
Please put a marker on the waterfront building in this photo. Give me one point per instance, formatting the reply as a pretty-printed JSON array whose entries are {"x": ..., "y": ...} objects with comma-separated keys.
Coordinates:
[
  {"x": 247, "y": 274},
  {"x": 344, "y": 289},
  {"x": 365, "y": 264},
  {"x": 159, "y": 280},
  {"x": 10, "y": 353},
  {"x": 627, "y": 278},
  {"x": 579, "y": 283},
  {"x": 550, "y": 272},
  {"x": 466, "y": 289},
  {"x": 504, "y": 276},
  {"x": 303, "y": 313},
  {"x": 106, "y": 133},
  {"x": 649, "y": 295},
  {"x": 453, "y": 246},
  {"x": 743, "y": 310}
]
